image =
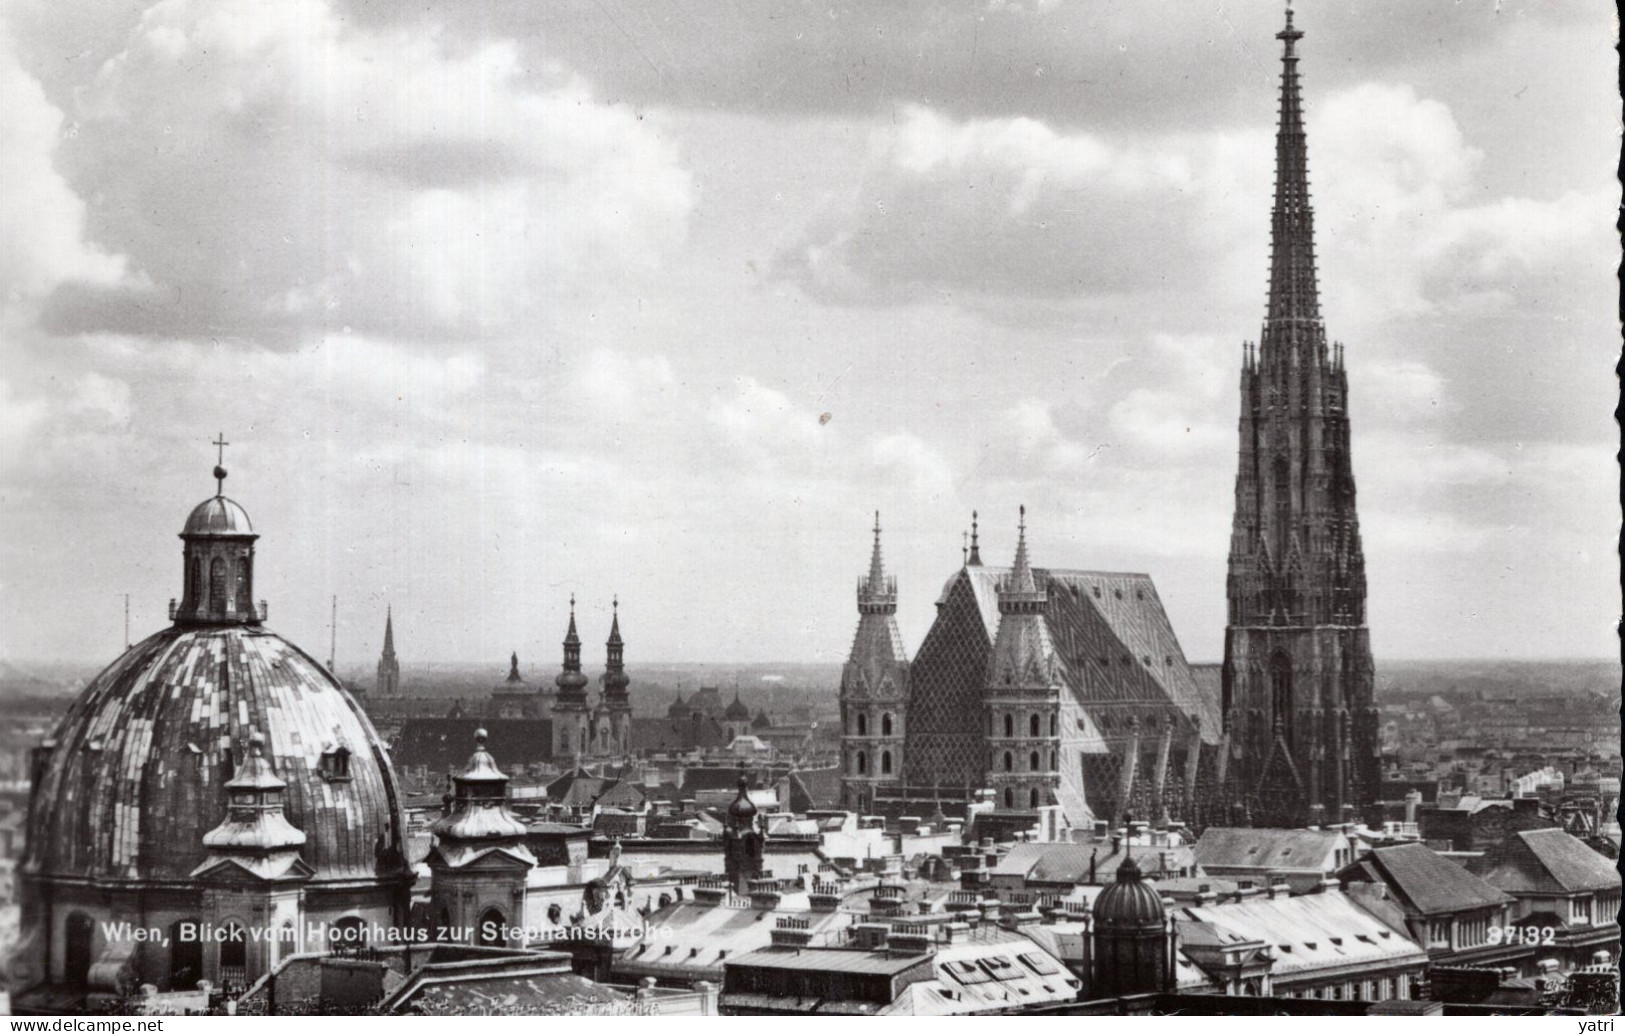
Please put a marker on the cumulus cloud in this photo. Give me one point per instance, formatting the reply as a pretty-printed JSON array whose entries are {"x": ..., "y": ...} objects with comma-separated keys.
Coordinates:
[
  {"x": 276, "y": 173},
  {"x": 42, "y": 219},
  {"x": 993, "y": 208}
]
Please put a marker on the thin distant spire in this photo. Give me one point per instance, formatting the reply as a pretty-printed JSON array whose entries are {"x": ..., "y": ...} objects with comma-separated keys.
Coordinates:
[
  {"x": 389, "y": 631},
  {"x": 975, "y": 559},
  {"x": 570, "y": 635},
  {"x": 614, "y": 621},
  {"x": 513, "y": 667}
]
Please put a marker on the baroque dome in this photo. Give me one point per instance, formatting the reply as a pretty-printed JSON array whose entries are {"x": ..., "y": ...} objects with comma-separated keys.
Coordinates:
[
  {"x": 218, "y": 516},
  {"x": 135, "y": 775},
  {"x": 1130, "y": 903}
]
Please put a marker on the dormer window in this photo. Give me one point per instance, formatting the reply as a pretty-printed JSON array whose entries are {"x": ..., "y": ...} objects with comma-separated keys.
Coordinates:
[{"x": 336, "y": 764}]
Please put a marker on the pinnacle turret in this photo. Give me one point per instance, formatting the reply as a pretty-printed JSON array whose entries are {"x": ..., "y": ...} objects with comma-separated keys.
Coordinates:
[
  {"x": 1019, "y": 590},
  {"x": 877, "y": 594}
]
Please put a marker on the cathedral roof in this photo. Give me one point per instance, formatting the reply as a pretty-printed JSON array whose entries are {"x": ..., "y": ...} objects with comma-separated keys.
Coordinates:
[
  {"x": 737, "y": 709},
  {"x": 218, "y": 516},
  {"x": 141, "y": 766},
  {"x": 1113, "y": 615}
]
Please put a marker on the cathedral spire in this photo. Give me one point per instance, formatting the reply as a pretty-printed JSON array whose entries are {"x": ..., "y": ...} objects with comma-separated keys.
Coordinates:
[
  {"x": 389, "y": 632},
  {"x": 1294, "y": 291},
  {"x": 571, "y": 682},
  {"x": 975, "y": 548}
]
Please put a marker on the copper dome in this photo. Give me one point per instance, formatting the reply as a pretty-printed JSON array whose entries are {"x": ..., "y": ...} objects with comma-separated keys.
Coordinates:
[
  {"x": 218, "y": 516},
  {"x": 137, "y": 772},
  {"x": 1130, "y": 903}
]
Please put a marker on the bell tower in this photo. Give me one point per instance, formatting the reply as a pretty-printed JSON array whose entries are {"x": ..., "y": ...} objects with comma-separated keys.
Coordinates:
[
  {"x": 572, "y": 719},
  {"x": 1297, "y": 682},
  {"x": 1023, "y": 692},
  {"x": 615, "y": 681}
]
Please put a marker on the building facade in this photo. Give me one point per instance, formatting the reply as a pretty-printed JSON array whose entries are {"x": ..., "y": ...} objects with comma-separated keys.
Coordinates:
[{"x": 1297, "y": 679}]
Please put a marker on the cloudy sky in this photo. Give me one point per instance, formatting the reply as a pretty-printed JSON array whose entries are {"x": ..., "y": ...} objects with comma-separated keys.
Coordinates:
[{"x": 498, "y": 301}]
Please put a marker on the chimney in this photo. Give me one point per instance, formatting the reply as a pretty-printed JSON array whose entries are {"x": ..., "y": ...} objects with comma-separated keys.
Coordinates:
[
  {"x": 1413, "y": 800},
  {"x": 1278, "y": 887},
  {"x": 1204, "y": 894}
]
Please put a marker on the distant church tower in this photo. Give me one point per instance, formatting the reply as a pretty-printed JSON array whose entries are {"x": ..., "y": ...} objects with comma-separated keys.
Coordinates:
[
  {"x": 874, "y": 690},
  {"x": 572, "y": 720},
  {"x": 389, "y": 669},
  {"x": 1297, "y": 683},
  {"x": 1023, "y": 691},
  {"x": 614, "y": 682}
]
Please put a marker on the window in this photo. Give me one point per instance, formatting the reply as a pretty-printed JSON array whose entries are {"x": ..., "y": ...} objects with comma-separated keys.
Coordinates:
[
  {"x": 1053, "y": 767},
  {"x": 1032, "y": 726},
  {"x": 1009, "y": 802},
  {"x": 489, "y": 934},
  {"x": 863, "y": 725},
  {"x": 194, "y": 583},
  {"x": 217, "y": 586},
  {"x": 1281, "y": 692},
  {"x": 245, "y": 603},
  {"x": 885, "y": 762},
  {"x": 1009, "y": 762},
  {"x": 1032, "y": 761},
  {"x": 336, "y": 764},
  {"x": 1032, "y": 797},
  {"x": 185, "y": 955},
  {"x": 863, "y": 763},
  {"x": 1580, "y": 910},
  {"x": 885, "y": 725},
  {"x": 1439, "y": 933},
  {"x": 1052, "y": 725},
  {"x": 81, "y": 935},
  {"x": 233, "y": 953},
  {"x": 1009, "y": 725}
]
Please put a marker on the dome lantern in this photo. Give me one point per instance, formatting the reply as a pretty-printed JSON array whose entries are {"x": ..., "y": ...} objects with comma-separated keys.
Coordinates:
[{"x": 218, "y": 570}]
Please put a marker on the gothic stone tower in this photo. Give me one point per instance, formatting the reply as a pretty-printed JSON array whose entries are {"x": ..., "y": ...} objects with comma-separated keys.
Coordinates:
[
  {"x": 1297, "y": 682},
  {"x": 389, "y": 669},
  {"x": 874, "y": 690},
  {"x": 1023, "y": 691}
]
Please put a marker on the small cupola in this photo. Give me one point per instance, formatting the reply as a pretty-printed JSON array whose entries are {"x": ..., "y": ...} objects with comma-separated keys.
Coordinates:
[{"x": 218, "y": 572}]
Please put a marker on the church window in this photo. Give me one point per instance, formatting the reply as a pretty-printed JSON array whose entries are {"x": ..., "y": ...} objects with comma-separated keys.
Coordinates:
[
  {"x": 1281, "y": 692},
  {"x": 1009, "y": 798},
  {"x": 1052, "y": 725},
  {"x": 217, "y": 586},
  {"x": 1032, "y": 797},
  {"x": 244, "y": 591},
  {"x": 1053, "y": 767},
  {"x": 1009, "y": 725},
  {"x": 564, "y": 741},
  {"x": 233, "y": 955},
  {"x": 863, "y": 763},
  {"x": 1283, "y": 504},
  {"x": 1097, "y": 592},
  {"x": 80, "y": 935},
  {"x": 863, "y": 725},
  {"x": 489, "y": 933},
  {"x": 885, "y": 762},
  {"x": 185, "y": 955},
  {"x": 194, "y": 583},
  {"x": 885, "y": 725},
  {"x": 1032, "y": 761},
  {"x": 1009, "y": 762},
  {"x": 1032, "y": 726}
]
